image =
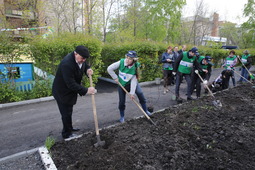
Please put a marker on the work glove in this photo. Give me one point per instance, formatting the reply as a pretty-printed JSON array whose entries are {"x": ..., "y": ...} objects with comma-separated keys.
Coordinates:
[
  {"x": 252, "y": 76},
  {"x": 196, "y": 71},
  {"x": 205, "y": 82},
  {"x": 174, "y": 73}
]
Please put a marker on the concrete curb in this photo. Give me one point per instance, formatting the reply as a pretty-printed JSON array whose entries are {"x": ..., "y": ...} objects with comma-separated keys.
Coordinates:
[
  {"x": 141, "y": 84},
  {"x": 18, "y": 155},
  {"x": 44, "y": 99},
  {"x": 46, "y": 159}
]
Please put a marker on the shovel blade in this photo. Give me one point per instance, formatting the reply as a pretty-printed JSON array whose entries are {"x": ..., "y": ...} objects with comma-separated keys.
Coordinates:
[
  {"x": 99, "y": 142},
  {"x": 217, "y": 103}
]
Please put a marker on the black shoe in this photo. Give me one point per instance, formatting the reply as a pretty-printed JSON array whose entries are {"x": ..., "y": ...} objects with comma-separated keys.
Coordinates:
[
  {"x": 70, "y": 136},
  {"x": 179, "y": 100},
  {"x": 75, "y": 129},
  {"x": 190, "y": 98}
]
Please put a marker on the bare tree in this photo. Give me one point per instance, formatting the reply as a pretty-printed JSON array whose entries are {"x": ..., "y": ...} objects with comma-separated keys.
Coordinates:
[
  {"x": 89, "y": 5},
  {"x": 201, "y": 25},
  {"x": 106, "y": 9},
  {"x": 72, "y": 14},
  {"x": 57, "y": 9}
]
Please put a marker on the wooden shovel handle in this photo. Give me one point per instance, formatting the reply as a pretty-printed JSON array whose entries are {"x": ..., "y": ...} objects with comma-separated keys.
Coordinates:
[
  {"x": 206, "y": 85},
  {"x": 94, "y": 107},
  {"x": 243, "y": 77}
]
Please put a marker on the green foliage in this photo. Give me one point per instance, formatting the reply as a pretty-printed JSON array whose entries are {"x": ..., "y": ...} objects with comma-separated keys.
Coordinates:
[
  {"x": 42, "y": 88},
  {"x": 49, "y": 142},
  {"x": 147, "y": 20},
  {"x": 49, "y": 52},
  {"x": 8, "y": 93},
  {"x": 148, "y": 53}
]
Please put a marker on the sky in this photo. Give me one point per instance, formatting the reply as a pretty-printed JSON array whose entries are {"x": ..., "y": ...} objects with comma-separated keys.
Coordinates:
[{"x": 228, "y": 10}]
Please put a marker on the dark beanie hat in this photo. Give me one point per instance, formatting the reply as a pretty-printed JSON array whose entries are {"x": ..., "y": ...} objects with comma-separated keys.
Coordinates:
[{"x": 82, "y": 51}]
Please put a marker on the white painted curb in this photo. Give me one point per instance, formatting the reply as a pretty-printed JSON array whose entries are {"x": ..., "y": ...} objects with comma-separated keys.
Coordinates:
[{"x": 46, "y": 159}]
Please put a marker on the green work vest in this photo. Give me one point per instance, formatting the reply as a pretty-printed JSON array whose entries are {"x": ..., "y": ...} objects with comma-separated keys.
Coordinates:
[
  {"x": 186, "y": 63},
  {"x": 244, "y": 58},
  {"x": 203, "y": 66},
  {"x": 229, "y": 62},
  {"x": 125, "y": 73}
]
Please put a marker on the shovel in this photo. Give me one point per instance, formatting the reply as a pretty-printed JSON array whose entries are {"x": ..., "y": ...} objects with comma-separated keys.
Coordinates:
[
  {"x": 242, "y": 77},
  {"x": 99, "y": 142},
  {"x": 137, "y": 105},
  {"x": 216, "y": 103},
  {"x": 251, "y": 75}
]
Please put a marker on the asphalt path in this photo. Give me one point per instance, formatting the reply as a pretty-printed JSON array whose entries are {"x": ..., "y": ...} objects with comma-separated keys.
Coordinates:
[{"x": 26, "y": 126}]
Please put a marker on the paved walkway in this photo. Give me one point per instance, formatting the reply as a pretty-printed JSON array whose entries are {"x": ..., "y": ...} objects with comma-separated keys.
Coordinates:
[{"x": 26, "y": 125}]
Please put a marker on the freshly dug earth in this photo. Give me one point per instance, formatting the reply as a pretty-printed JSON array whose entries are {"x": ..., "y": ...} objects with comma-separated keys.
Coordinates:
[{"x": 193, "y": 135}]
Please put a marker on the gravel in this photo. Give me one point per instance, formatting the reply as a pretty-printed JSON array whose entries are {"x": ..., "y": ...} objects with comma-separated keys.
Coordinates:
[{"x": 28, "y": 162}]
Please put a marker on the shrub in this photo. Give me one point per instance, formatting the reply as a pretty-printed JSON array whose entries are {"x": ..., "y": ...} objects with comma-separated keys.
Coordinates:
[
  {"x": 148, "y": 53},
  {"x": 48, "y": 53},
  {"x": 9, "y": 93}
]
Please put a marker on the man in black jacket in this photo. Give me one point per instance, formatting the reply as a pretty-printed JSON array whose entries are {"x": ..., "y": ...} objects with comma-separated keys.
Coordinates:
[{"x": 67, "y": 84}]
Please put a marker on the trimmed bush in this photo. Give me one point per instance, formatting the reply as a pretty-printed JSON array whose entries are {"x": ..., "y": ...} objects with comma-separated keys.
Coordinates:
[
  {"x": 48, "y": 53},
  {"x": 148, "y": 52}
]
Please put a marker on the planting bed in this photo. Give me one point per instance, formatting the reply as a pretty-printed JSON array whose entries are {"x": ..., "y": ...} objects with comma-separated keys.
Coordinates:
[{"x": 193, "y": 135}]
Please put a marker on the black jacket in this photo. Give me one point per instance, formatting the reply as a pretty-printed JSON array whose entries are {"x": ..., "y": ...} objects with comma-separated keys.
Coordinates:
[{"x": 67, "y": 82}]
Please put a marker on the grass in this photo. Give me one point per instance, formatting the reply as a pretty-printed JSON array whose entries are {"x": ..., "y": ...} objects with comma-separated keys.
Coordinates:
[{"x": 49, "y": 142}]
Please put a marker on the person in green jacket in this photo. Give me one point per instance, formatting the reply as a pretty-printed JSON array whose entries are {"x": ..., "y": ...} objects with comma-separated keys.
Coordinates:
[
  {"x": 229, "y": 66},
  {"x": 128, "y": 78},
  {"x": 246, "y": 62},
  {"x": 182, "y": 68},
  {"x": 204, "y": 62}
]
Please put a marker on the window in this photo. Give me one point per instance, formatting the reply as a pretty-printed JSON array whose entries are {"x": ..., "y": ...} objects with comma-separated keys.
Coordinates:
[{"x": 13, "y": 72}]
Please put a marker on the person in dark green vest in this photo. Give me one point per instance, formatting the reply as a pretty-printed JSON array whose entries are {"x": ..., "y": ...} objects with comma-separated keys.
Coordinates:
[
  {"x": 204, "y": 62},
  {"x": 182, "y": 68},
  {"x": 246, "y": 61},
  {"x": 229, "y": 66},
  {"x": 128, "y": 78}
]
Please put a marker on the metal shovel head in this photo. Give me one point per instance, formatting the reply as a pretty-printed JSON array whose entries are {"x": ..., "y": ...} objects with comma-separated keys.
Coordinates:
[
  {"x": 99, "y": 142},
  {"x": 217, "y": 103}
]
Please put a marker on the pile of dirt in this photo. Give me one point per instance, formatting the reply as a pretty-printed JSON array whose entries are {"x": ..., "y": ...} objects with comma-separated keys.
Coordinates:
[{"x": 193, "y": 135}]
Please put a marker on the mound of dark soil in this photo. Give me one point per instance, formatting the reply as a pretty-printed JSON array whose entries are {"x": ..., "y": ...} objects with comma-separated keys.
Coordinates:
[{"x": 194, "y": 135}]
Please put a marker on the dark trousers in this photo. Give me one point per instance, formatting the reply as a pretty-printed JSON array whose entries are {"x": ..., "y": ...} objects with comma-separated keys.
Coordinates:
[
  {"x": 179, "y": 77},
  {"x": 122, "y": 98},
  {"x": 196, "y": 83},
  {"x": 167, "y": 77},
  {"x": 226, "y": 74},
  {"x": 66, "y": 115}
]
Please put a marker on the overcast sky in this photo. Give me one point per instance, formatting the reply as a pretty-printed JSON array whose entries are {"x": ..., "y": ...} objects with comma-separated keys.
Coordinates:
[{"x": 229, "y": 10}]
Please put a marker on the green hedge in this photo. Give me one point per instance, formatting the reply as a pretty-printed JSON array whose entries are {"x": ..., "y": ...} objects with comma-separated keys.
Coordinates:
[
  {"x": 48, "y": 53},
  {"x": 219, "y": 55},
  {"x": 148, "y": 52}
]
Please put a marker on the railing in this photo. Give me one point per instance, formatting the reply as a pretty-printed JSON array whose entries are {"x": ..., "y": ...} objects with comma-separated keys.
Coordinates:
[{"x": 25, "y": 86}]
